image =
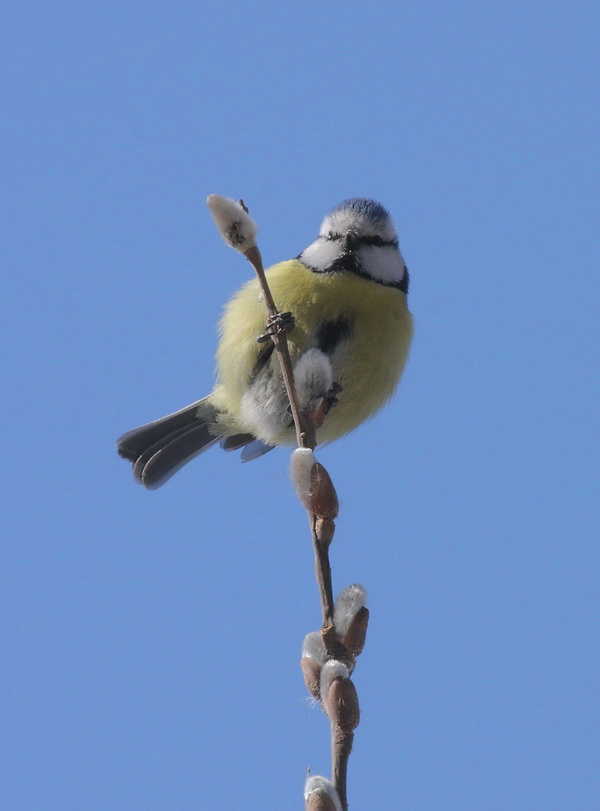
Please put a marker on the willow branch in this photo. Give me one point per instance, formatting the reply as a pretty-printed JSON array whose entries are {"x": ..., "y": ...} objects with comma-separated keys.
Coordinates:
[
  {"x": 305, "y": 437},
  {"x": 341, "y": 747},
  {"x": 323, "y": 510}
]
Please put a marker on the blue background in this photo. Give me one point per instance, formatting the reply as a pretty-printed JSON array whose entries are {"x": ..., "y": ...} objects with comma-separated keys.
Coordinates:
[{"x": 151, "y": 640}]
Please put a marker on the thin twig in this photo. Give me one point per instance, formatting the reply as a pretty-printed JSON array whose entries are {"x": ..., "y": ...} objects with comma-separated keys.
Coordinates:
[
  {"x": 323, "y": 575},
  {"x": 305, "y": 434},
  {"x": 321, "y": 533},
  {"x": 341, "y": 747}
]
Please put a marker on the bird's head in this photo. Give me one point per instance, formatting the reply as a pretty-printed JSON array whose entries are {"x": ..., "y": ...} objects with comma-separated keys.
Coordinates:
[{"x": 358, "y": 236}]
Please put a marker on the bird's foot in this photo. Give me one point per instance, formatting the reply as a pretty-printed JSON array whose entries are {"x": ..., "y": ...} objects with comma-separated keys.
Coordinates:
[
  {"x": 280, "y": 322},
  {"x": 319, "y": 407}
]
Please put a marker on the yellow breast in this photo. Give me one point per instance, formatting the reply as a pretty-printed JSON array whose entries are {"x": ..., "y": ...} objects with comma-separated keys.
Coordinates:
[{"x": 367, "y": 363}]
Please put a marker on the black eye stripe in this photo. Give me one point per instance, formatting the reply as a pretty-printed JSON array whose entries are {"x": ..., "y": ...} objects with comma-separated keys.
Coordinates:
[{"x": 377, "y": 241}]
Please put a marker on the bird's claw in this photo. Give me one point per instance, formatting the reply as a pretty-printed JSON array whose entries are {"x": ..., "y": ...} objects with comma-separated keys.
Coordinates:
[
  {"x": 336, "y": 388},
  {"x": 319, "y": 407},
  {"x": 330, "y": 399},
  {"x": 280, "y": 322}
]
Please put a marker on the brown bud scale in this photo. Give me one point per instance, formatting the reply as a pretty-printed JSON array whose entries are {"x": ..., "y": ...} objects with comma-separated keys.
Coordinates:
[
  {"x": 355, "y": 636},
  {"x": 311, "y": 670},
  {"x": 319, "y": 801},
  {"x": 342, "y": 703},
  {"x": 324, "y": 500}
]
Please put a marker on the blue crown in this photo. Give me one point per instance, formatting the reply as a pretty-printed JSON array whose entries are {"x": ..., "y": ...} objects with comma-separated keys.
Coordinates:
[{"x": 369, "y": 209}]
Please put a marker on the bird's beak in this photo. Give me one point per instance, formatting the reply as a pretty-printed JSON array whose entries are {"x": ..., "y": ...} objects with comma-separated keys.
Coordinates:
[{"x": 350, "y": 241}]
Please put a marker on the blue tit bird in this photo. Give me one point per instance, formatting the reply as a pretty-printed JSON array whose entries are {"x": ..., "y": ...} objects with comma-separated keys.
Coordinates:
[{"x": 348, "y": 342}]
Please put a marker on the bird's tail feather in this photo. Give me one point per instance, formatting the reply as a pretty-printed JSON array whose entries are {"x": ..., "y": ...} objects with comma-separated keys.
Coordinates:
[{"x": 160, "y": 448}]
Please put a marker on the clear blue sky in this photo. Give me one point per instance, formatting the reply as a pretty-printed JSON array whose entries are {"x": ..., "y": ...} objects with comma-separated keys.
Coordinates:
[{"x": 150, "y": 641}]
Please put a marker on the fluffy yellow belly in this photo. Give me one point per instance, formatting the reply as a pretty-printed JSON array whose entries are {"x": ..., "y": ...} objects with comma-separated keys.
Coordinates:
[{"x": 367, "y": 362}]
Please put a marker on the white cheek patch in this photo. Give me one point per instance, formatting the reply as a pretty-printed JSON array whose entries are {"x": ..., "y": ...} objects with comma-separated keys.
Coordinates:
[
  {"x": 384, "y": 264},
  {"x": 321, "y": 254}
]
